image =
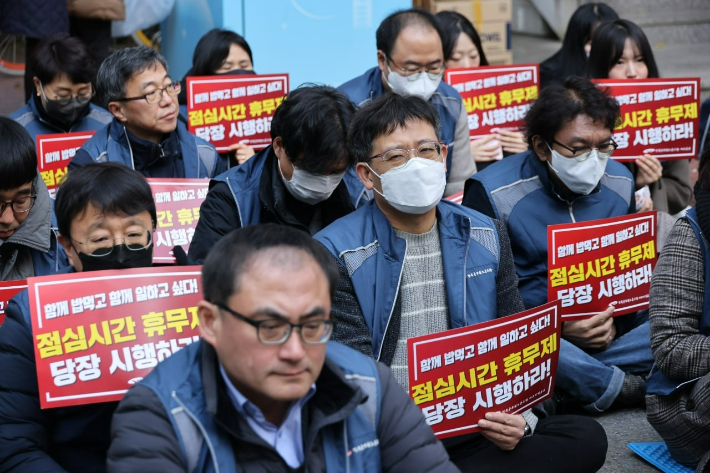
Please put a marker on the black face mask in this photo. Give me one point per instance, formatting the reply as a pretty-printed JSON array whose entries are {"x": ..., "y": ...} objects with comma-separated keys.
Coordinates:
[
  {"x": 120, "y": 258},
  {"x": 66, "y": 113}
]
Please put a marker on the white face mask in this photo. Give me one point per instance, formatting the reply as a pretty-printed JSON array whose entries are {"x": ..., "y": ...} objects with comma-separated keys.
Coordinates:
[
  {"x": 420, "y": 84},
  {"x": 579, "y": 177},
  {"x": 415, "y": 187},
  {"x": 310, "y": 188}
]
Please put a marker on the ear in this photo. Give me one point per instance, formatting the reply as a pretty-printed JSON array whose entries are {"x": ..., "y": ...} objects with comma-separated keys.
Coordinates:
[
  {"x": 284, "y": 163},
  {"x": 366, "y": 175},
  {"x": 38, "y": 86},
  {"x": 540, "y": 148},
  {"x": 69, "y": 250},
  {"x": 209, "y": 316},
  {"x": 444, "y": 153},
  {"x": 381, "y": 61},
  {"x": 116, "y": 110}
]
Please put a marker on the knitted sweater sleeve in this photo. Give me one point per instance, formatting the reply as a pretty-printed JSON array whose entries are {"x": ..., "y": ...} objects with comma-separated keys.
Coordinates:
[{"x": 507, "y": 295}]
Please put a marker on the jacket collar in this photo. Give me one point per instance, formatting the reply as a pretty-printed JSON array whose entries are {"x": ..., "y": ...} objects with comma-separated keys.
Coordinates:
[{"x": 146, "y": 154}]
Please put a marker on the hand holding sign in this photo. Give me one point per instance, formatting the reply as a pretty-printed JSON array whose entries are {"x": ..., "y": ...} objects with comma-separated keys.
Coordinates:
[
  {"x": 649, "y": 171},
  {"x": 595, "y": 333},
  {"x": 504, "y": 430}
]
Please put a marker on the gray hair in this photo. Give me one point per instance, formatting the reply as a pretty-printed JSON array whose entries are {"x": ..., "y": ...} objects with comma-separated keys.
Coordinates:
[{"x": 119, "y": 67}]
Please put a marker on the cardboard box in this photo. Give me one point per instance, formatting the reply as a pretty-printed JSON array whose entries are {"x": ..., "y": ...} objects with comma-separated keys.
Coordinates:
[
  {"x": 498, "y": 58},
  {"x": 477, "y": 11},
  {"x": 495, "y": 36}
]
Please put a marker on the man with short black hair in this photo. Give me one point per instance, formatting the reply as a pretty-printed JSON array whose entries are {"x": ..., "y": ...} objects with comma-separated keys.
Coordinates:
[
  {"x": 412, "y": 264},
  {"x": 304, "y": 179},
  {"x": 410, "y": 61},
  {"x": 28, "y": 242},
  {"x": 568, "y": 177},
  {"x": 106, "y": 217},
  {"x": 64, "y": 69},
  {"x": 145, "y": 134},
  {"x": 264, "y": 390}
]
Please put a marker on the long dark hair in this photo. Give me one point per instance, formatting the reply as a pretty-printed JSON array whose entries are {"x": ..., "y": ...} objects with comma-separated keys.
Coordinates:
[
  {"x": 571, "y": 59},
  {"x": 453, "y": 24},
  {"x": 608, "y": 46},
  {"x": 213, "y": 49}
]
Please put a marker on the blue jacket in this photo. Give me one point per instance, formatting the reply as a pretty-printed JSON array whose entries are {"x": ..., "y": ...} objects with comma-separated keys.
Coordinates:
[
  {"x": 365, "y": 243},
  {"x": 446, "y": 101},
  {"x": 178, "y": 384},
  {"x": 110, "y": 144},
  {"x": 524, "y": 198},
  {"x": 657, "y": 382},
  {"x": 29, "y": 117},
  {"x": 34, "y": 18},
  {"x": 33, "y": 439}
]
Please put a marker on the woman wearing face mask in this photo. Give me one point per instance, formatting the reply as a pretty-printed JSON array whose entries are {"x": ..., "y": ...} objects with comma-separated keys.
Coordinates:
[
  {"x": 620, "y": 50},
  {"x": 571, "y": 59},
  {"x": 64, "y": 69},
  {"x": 220, "y": 52},
  {"x": 462, "y": 48}
]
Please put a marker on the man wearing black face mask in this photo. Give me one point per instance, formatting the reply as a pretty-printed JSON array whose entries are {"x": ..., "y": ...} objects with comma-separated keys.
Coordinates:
[
  {"x": 106, "y": 218},
  {"x": 64, "y": 71}
]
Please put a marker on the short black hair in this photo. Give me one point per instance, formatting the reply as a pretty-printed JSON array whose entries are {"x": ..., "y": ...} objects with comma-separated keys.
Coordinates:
[
  {"x": 558, "y": 105},
  {"x": 383, "y": 116},
  {"x": 119, "y": 67},
  {"x": 608, "y": 46},
  {"x": 63, "y": 54},
  {"x": 213, "y": 48},
  {"x": 571, "y": 60},
  {"x": 18, "y": 156},
  {"x": 233, "y": 255},
  {"x": 112, "y": 188},
  {"x": 313, "y": 124},
  {"x": 390, "y": 28},
  {"x": 453, "y": 24}
]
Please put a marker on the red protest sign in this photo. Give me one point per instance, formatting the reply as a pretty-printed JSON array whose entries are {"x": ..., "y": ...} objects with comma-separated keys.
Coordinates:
[
  {"x": 177, "y": 203},
  {"x": 455, "y": 198},
  {"x": 54, "y": 153},
  {"x": 658, "y": 116},
  {"x": 8, "y": 289},
  {"x": 601, "y": 262},
  {"x": 96, "y": 334},
  {"x": 496, "y": 97},
  {"x": 504, "y": 365},
  {"x": 230, "y": 109}
]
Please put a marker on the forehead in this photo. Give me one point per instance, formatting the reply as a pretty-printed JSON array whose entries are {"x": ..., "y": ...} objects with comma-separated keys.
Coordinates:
[
  {"x": 92, "y": 218},
  {"x": 411, "y": 134},
  {"x": 152, "y": 75},
  {"x": 418, "y": 43},
  {"x": 582, "y": 126},
  {"x": 10, "y": 194},
  {"x": 464, "y": 43}
]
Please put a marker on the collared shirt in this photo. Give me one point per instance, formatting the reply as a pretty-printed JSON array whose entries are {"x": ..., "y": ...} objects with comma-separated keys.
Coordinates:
[{"x": 286, "y": 439}]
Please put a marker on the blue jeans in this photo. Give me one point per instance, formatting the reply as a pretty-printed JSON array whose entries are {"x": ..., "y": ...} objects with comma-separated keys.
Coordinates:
[{"x": 595, "y": 379}]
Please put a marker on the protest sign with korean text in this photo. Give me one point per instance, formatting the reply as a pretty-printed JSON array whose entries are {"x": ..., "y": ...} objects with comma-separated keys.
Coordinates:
[
  {"x": 504, "y": 365},
  {"x": 227, "y": 109},
  {"x": 496, "y": 97},
  {"x": 96, "y": 334},
  {"x": 601, "y": 262},
  {"x": 8, "y": 290},
  {"x": 177, "y": 203},
  {"x": 54, "y": 152},
  {"x": 658, "y": 116}
]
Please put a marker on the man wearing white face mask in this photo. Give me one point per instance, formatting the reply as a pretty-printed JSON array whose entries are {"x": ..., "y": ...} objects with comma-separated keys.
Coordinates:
[
  {"x": 402, "y": 260},
  {"x": 568, "y": 177},
  {"x": 410, "y": 61},
  {"x": 297, "y": 181}
]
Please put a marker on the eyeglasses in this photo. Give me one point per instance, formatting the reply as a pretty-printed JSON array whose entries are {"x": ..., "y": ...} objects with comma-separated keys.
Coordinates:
[
  {"x": 276, "y": 331},
  {"x": 21, "y": 205},
  {"x": 103, "y": 245},
  {"x": 396, "y": 157},
  {"x": 603, "y": 151},
  {"x": 64, "y": 100},
  {"x": 156, "y": 95},
  {"x": 412, "y": 72}
]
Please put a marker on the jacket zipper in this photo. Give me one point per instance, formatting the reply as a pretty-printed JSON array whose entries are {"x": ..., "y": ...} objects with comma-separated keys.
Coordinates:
[
  {"x": 202, "y": 429},
  {"x": 394, "y": 303},
  {"x": 569, "y": 204}
]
